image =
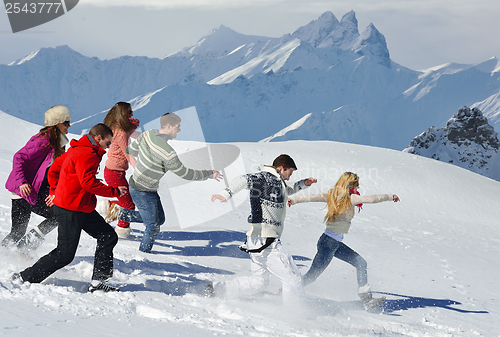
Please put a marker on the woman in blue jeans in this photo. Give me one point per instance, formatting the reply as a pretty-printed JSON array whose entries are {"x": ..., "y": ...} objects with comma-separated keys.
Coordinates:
[{"x": 341, "y": 200}]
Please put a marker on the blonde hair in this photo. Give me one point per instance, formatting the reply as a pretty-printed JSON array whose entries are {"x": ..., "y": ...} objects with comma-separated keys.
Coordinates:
[{"x": 338, "y": 198}]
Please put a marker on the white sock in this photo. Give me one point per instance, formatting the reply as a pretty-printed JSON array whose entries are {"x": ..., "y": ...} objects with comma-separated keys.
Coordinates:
[{"x": 95, "y": 283}]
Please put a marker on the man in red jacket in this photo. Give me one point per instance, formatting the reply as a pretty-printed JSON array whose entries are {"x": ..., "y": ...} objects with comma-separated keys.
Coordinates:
[{"x": 73, "y": 186}]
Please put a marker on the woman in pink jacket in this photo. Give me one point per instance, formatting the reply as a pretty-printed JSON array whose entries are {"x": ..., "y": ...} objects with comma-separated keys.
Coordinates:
[
  {"x": 119, "y": 119},
  {"x": 27, "y": 183}
]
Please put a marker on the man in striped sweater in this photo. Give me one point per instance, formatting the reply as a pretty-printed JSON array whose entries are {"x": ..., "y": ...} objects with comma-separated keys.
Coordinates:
[{"x": 154, "y": 158}]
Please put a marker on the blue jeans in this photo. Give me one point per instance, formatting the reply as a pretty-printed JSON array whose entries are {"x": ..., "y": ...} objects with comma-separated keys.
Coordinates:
[
  {"x": 150, "y": 213},
  {"x": 130, "y": 215},
  {"x": 327, "y": 249}
]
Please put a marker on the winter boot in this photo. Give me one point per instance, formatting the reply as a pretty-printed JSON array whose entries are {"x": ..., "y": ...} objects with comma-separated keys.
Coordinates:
[
  {"x": 101, "y": 286},
  {"x": 17, "y": 280},
  {"x": 209, "y": 290},
  {"x": 122, "y": 232},
  {"x": 369, "y": 302},
  {"x": 30, "y": 242}
]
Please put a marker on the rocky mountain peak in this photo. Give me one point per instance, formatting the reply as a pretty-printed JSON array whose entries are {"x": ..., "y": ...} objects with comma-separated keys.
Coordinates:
[
  {"x": 470, "y": 126},
  {"x": 467, "y": 140}
]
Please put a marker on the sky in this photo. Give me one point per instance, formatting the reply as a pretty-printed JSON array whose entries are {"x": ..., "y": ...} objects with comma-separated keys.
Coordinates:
[{"x": 420, "y": 33}]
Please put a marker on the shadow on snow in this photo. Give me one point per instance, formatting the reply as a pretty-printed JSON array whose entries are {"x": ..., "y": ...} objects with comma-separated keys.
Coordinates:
[
  {"x": 413, "y": 302},
  {"x": 182, "y": 273},
  {"x": 220, "y": 243}
]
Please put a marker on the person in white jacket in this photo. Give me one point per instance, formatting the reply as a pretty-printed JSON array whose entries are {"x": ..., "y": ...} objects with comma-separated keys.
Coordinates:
[
  {"x": 341, "y": 200},
  {"x": 268, "y": 197}
]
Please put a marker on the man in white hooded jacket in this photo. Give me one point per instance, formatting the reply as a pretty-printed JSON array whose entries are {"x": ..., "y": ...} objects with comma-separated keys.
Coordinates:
[{"x": 268, "y": 197}]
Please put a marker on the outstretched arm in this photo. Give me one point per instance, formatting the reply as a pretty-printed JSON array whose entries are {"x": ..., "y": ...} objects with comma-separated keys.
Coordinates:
[
  {"x": 306, "y": 198},
  {"x": 309, "y": 181},
  {"x": 300, "y": 185},
  {"x": 372, "y": 199},
  {"x": 236, "y": 185}
]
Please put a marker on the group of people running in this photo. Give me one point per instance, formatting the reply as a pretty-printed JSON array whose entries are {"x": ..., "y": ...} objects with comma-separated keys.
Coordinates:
[{"x": 61, "y": 186}]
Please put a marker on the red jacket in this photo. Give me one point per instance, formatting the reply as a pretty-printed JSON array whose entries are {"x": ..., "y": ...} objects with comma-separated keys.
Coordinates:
[{"x": 72, "y": 177}]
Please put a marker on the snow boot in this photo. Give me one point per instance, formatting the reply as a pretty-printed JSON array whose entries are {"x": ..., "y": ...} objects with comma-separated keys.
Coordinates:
[
  {"x": 101, "y": 286},
  {"x": 17, "y": 279},
  {"x": 30, "y": 242},
  {"x": 209, "y": 290},
  {"x": 122, "y": 232},
  {"x": 369, "y": 302}
]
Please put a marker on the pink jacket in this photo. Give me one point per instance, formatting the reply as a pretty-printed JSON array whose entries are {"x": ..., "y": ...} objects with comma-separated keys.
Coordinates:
[
  {"x": 117, "y": 158},
  {"x": 29, "y": 165}
]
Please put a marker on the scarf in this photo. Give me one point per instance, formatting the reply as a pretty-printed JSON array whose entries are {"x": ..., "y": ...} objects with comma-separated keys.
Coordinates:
[
  {"x": 135, "y": 122},
  {"x": 359, "y": 206}
]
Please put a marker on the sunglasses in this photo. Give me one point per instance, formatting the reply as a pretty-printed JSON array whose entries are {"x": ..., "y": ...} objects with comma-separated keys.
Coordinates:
[{"x": 66, "y": 124}]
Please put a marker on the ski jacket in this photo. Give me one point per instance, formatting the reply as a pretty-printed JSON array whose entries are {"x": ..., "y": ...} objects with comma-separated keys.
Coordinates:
[
  {"x": 155, "y": 157},
  {"x": 72, "y": 177},
  {"x": 268, "y": 198},
  {"x": 29, "y": 165},
  {"x": 342, "y": 222},
  {"x": 117, "y": 157}
]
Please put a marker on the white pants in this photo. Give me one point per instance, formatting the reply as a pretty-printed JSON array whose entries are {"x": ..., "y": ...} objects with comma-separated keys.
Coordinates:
[{"x": 274, "y": 260}]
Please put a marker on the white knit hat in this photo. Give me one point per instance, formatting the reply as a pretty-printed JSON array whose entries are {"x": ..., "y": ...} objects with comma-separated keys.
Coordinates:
[{"x": 57, "y": 114}]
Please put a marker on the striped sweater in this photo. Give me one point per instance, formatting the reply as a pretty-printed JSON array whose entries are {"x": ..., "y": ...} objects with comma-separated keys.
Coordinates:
[{"x": 154, "y": 158}]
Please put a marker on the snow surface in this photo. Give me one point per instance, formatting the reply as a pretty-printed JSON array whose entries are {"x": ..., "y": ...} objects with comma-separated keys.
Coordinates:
[{"x": 435, "y": 256}]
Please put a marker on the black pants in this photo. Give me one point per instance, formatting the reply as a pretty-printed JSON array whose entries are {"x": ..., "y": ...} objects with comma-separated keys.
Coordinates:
[
  {"x": 21, "y": 214},
  {"x": 71, "y": 224}
]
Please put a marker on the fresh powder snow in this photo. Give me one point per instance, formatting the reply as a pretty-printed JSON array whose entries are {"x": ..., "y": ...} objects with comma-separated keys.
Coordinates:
[{"x": 434, "y": 255}]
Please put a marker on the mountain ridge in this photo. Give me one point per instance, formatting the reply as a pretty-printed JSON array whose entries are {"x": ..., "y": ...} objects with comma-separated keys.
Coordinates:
[{"x": 350, "y": 86}]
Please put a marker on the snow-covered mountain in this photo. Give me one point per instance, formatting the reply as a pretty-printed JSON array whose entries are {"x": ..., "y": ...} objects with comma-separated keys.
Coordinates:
[
  {"x": 434, "y": 255},
  {"x": 336, "y": 83},
  {"x": 467, "y": 140},
  {"x": 491, "y": 109}
]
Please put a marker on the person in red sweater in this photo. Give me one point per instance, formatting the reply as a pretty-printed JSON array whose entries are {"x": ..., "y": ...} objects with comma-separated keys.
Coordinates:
[{"x": 73, "y": 189}]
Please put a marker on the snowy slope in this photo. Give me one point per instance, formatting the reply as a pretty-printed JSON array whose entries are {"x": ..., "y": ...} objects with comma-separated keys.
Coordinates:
[{"x": 435, "y": 255}]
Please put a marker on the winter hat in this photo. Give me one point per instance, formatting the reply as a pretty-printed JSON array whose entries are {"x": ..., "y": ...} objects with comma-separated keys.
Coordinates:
[{"x": 57, "y": 114}]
